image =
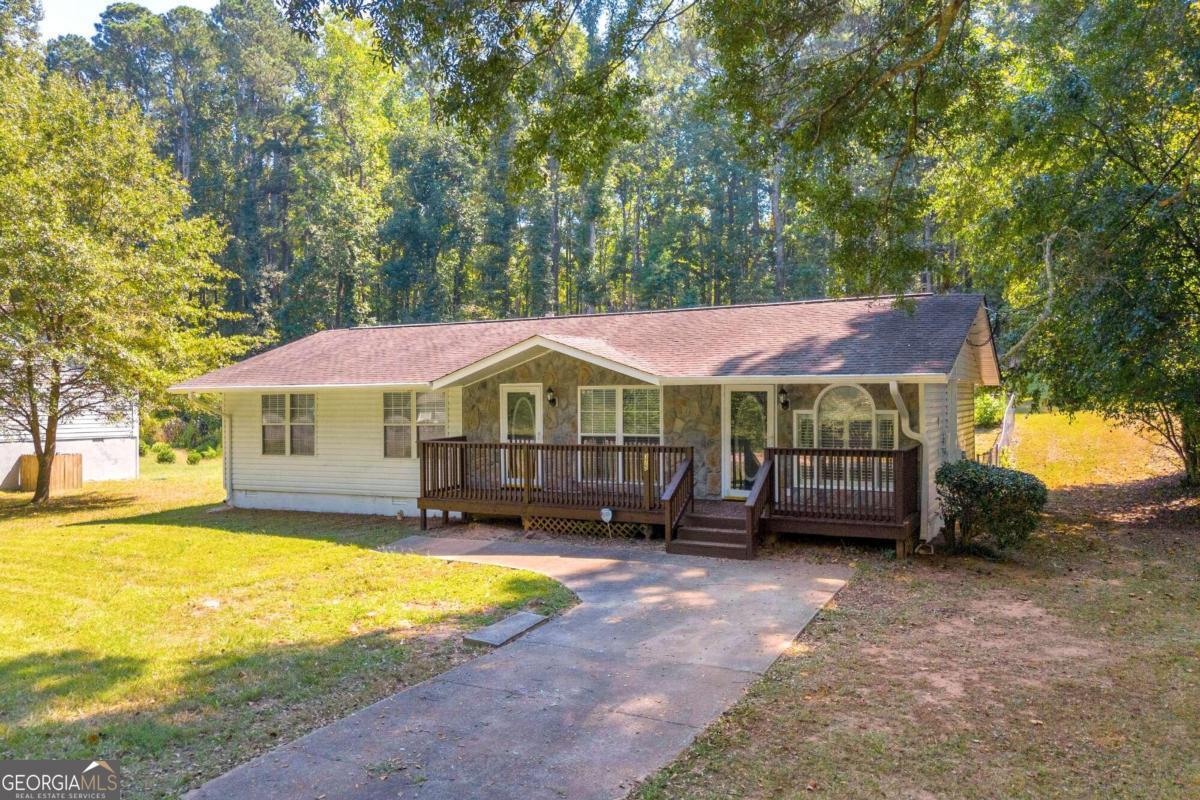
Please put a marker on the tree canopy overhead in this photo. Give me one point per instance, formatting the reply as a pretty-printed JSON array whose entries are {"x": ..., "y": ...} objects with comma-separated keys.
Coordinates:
[{"x": 547, "y": 157}]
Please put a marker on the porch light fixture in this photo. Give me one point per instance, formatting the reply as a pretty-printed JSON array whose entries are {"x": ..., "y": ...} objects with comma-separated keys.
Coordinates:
[
  {"x": 551, "y": 398},
  {"x": 784, "y": 402}
]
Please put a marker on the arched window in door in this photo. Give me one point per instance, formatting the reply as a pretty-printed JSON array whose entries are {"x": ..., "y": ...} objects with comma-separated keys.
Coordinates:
[{"x": 846, "y": 418}]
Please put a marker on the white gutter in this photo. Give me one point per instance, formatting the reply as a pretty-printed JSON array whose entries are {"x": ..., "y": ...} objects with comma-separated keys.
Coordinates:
[{"x": 905, "y": 421}]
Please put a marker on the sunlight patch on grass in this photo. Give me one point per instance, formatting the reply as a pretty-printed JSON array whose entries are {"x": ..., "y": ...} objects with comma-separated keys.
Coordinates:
[
  {"x": 1084, "y": 449},
  {"x": 135, "y": 624}
]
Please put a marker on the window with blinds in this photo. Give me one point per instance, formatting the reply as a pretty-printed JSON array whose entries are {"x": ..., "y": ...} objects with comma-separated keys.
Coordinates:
[
  {"x": 289, "y": 424},
  {"x": 619, "y": 415},
  {"x": 431, "y": 416},
  {"x": 303, "y": 424},
  {"x": 641, "y": 416},
  {"x": 397, "y": 425},
  {"x": 831, "y": 426},
  {"x": 274, "y": 424},
  {"x": 598, "y": 416}
]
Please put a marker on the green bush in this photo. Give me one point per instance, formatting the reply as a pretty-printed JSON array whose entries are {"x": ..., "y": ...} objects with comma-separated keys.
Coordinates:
[
  {"x": 193, "y": 457},
  {"x": 208, "y": 452},
  {"x": 165, "y": 455},
  {"x": 989, "y": 409},
  {"x": 143, "y": 448},
  {"x": 988, "y": 507}
]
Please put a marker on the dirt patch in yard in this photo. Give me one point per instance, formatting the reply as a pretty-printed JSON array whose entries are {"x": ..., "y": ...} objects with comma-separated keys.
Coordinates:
[{"x": 1071, "y": 671}]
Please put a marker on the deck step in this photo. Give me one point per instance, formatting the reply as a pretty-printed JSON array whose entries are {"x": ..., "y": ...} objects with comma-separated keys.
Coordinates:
[
  {"x": 710, "y": 549},
  {"x": 694, "y": 533},
  {"x": 713, "y": 521}
]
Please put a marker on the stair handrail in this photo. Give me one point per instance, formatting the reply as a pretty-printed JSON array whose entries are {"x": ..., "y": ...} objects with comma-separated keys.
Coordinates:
[
  {"x": 677, "y": 497},
  {"x": 757, "y": 501}
]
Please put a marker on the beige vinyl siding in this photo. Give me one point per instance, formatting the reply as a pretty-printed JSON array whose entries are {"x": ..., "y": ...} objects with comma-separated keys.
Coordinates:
[
  {"x": 934, "y": 414},
  {"x": 967, "y": 374},
  {"x": 349, "y": 448}
]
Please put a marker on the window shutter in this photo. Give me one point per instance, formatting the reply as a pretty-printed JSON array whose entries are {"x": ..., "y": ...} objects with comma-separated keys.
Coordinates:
[
  {"x": 886, "y": 426},
  {"x": 805, "y": 431}
]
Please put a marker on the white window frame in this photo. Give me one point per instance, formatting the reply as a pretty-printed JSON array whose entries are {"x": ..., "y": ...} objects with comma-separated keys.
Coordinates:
[
  {"x": 287, "y": 424},
  {"x": 413, "y": 437},
  {"x": 619, "y": 425},
  {"x": 620, "y": 429},
  {"x": 797, "y": 415},
  {"x": 894, "y": 416},
  {"x": 417, "y": 424},
  {"x": 727, "y": 391},
  {"x": 412, "y": 449}
]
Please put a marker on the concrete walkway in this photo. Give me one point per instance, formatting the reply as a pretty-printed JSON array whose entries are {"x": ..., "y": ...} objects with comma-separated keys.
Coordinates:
[{"x": 581, "y": 707}]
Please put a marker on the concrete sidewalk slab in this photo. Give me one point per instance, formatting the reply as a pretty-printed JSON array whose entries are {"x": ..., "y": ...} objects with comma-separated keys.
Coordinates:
[
  {"x": 583, "y": 706},
  {"x": 507, "y": 629}
]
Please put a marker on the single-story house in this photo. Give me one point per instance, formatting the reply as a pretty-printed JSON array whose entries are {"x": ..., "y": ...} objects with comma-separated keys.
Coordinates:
[
  {"x": 823, "y": 417},
  {"x": 106, "y": 440}
]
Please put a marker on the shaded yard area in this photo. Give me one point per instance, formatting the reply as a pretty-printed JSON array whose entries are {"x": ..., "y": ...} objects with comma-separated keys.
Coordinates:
[
  {"x": 136, "y": 624},
  {"x": 1071, "y": 671}
]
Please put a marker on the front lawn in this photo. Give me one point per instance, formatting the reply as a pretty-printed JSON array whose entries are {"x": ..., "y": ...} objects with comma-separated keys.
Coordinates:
[
  {"x": 135, "y": 624},
  {"x": 1071, "y": 671}
]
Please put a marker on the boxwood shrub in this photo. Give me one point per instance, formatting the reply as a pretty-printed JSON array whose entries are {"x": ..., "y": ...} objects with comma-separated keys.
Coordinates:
[
  {"x": 163, "y": 453},
  {"x": 993, "y": 507}
]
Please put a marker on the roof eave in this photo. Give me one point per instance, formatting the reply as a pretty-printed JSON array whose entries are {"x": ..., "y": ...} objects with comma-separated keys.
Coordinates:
[{"x": 502, "y": 359}]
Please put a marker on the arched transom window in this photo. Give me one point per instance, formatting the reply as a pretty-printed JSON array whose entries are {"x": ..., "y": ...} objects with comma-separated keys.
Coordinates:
[{"x": 845, "y": 417}]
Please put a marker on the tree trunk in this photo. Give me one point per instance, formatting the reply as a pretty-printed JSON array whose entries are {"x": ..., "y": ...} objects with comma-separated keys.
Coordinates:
[
  {"x": 45, "y": 450},
  {"x": 778, "y": 223},
  {"x": 555, "y": 238},
  {"x": 1190, "y": 425}
]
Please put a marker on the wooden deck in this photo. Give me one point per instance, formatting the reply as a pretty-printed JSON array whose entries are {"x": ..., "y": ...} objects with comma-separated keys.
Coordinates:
[{"x": 852, "y": 493}]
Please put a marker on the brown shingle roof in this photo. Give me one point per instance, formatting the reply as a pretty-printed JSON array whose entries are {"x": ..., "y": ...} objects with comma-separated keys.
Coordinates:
[{"x": 823, "y": 337}]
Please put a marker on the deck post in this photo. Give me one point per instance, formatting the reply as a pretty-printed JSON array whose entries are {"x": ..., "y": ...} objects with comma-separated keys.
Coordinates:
[
  {"x": 647, "y": 485},
  {"x": 528, "y": 470}
]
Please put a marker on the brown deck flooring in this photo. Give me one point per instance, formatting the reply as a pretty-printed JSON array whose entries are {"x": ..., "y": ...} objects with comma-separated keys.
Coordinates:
[{"x": 732, "y": 509}]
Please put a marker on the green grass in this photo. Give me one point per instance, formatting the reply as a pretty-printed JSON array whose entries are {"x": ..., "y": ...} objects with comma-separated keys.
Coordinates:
[
  {"x": 1085, "y": 450},
  {"x": 1071, "y": 670},
  {"x": 135, "y": 624}
]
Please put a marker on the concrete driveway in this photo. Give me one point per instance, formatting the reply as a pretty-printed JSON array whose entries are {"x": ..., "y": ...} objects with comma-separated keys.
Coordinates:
[{"x": 583, "y": 706}]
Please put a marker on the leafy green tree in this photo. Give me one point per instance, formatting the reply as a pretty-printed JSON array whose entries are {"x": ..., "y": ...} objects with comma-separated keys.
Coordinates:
[
  {"x": 107, "y": 289},
  {"x": 1077, "y": 198}
]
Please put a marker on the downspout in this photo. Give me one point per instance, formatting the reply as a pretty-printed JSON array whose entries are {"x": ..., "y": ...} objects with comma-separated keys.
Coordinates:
[
  {"x": 905, "y": 421},
  {"x": 906, "y": 428}
]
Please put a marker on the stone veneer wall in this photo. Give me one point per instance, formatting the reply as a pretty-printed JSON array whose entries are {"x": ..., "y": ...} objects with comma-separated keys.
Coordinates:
[
  {"x": 691, "y": 414},
  {"x": 692, "y": 418},
  {"x": 481, "y": 401}
]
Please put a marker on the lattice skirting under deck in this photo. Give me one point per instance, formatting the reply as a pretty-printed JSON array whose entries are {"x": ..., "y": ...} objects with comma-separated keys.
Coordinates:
[{"x": 586, "y": 527}]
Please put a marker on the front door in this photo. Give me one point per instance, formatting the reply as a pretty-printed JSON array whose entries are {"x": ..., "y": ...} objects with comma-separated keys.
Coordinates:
[
  {"x": 520, "y": 422},
  {"x": 747, "y": 430}
]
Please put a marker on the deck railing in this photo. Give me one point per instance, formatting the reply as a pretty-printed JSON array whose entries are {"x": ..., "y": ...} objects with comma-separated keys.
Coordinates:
[
  {"x": 760, "y": 499},
  {"x": 679, "y": 497},
  {"x": 845, "y": 485},
  {"x": 631, "y": 477}
]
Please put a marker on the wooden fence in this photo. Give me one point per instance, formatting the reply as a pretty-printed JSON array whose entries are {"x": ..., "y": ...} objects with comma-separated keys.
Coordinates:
[{"x": 66, "y": 472}]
